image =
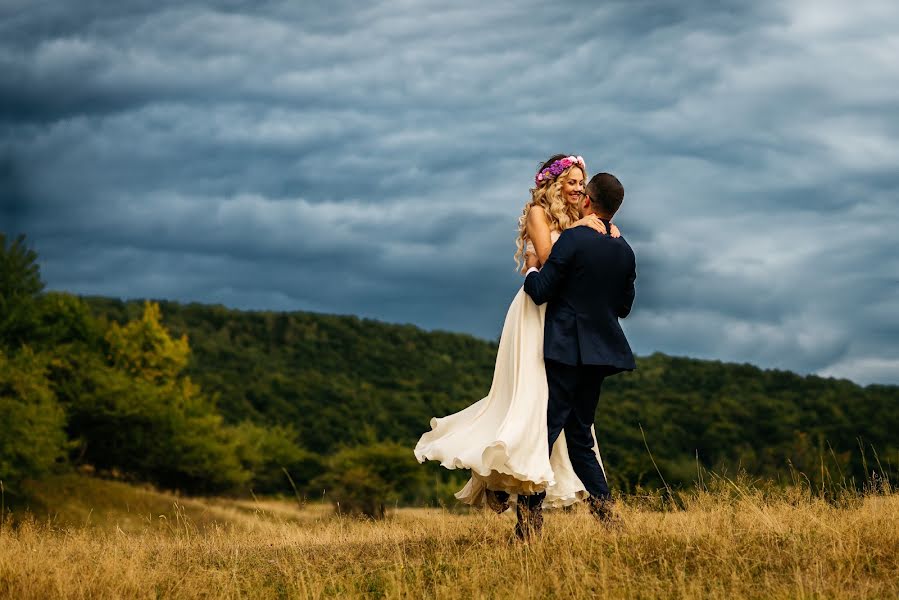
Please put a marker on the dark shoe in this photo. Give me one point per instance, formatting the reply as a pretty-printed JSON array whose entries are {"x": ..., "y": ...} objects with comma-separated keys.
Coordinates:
[
  {"x": 497, "y": 501},
  {"x": 601, "y": 508},
  {"x": 530, "y": 520}
]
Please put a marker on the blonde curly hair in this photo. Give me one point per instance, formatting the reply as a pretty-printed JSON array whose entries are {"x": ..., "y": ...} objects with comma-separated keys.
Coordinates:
[{"x": 548, "y": 195}]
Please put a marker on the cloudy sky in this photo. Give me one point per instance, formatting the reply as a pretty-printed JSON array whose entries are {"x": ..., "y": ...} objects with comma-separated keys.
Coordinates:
[{"x": 373, "y": 158}]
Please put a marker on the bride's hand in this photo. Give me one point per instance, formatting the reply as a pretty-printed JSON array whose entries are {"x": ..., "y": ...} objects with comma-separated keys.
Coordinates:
[
  {"x": 615, "y": 231},
  {"x": 593, "y": 222}
]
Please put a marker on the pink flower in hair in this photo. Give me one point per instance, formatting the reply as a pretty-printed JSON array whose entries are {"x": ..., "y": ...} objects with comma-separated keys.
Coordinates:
[{"x": 559, "y": 167}]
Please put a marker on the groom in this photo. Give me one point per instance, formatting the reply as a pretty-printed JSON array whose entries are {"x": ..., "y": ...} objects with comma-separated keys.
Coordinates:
[{"x": 588, "y": 283}]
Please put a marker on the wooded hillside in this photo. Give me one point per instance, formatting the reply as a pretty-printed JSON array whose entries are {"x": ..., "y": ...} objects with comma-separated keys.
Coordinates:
[{"x": 343, "y": 380}]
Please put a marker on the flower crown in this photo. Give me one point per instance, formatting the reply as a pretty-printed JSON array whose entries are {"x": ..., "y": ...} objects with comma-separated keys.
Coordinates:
[{"x": 559, "y": 167}]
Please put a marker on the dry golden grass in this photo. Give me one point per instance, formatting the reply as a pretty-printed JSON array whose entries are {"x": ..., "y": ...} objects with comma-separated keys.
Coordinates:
[{"x": 722, "y": 545}]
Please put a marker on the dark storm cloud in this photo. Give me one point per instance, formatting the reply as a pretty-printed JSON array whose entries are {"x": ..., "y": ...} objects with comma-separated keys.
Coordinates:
[{"x": 374, "y": 158}]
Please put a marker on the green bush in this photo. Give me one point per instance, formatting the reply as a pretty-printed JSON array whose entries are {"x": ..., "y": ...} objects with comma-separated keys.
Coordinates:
[
  {"x": 269, "y": 452},
  {"x": 367, "y": 479}
]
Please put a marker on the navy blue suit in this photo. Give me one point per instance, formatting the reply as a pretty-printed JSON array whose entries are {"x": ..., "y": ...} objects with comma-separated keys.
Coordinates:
[{"x": 588, "y": 282}]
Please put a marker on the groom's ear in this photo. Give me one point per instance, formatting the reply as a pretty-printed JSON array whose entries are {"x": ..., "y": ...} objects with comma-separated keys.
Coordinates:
[{"x": 587, "y": 202}]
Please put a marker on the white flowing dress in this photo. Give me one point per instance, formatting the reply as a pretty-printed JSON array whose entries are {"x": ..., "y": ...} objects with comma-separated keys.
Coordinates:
[{"x": 503, "y": 438}]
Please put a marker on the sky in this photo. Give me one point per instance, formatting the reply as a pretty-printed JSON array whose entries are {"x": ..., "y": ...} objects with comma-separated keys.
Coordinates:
[{"x": 373, "y": 159}]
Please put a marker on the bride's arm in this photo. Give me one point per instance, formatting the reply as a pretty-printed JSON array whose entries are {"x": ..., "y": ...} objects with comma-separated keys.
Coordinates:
[
  {"x": 538, "y": 233},
  {"x": 594, "y": 222}
]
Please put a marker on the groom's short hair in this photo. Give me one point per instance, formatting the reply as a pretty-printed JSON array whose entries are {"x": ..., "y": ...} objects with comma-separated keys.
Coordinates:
[{"x": 606, "y": 193}]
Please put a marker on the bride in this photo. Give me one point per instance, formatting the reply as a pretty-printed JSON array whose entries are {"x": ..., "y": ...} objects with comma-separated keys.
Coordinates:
[{"x": 503, "y": 437}]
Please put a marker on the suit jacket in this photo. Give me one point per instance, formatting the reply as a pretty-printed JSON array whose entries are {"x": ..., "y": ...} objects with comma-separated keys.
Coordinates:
[{"x": 588, "y": 281}]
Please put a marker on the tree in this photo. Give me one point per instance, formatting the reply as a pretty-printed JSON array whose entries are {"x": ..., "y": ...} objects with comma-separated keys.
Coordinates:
[
  {"x": 20, "y": 285},
  {"x": 145, "y": 350},
  {"x": 32, "y": 438},
  {"x": 137, "y": 412}
]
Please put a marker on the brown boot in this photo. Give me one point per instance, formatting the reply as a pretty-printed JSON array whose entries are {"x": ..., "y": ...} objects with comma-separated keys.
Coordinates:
[
  {"x": 601, "y": 509},
  {"x": 497, "y": 501},
  {"x": 530, "y": 519}
]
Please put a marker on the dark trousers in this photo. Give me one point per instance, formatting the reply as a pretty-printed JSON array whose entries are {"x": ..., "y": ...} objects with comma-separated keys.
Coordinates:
[{"x": 573, "y": 397}]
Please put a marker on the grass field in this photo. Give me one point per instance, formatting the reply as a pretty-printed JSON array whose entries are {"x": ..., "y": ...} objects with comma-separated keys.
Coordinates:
[{"x": 98, "y": 539}]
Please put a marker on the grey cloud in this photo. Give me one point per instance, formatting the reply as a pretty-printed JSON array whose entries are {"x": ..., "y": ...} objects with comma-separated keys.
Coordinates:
[{"x": 374, "y": 160}]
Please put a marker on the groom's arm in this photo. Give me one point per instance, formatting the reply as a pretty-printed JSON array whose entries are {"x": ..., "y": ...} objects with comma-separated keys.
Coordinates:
[
  {"x": 627, "y": 300},
  {"x": 543, "y": 285}
]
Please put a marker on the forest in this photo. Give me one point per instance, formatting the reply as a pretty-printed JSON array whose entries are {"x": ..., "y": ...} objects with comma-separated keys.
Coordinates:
[{"x": 206, "y": 399}]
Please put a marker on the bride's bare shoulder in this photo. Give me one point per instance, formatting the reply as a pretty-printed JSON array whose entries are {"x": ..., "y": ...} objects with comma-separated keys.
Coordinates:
[{"x": 537, "y": 215}]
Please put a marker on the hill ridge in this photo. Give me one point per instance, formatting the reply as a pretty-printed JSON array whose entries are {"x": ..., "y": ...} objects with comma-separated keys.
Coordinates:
[{"x": 136, "y": 302}]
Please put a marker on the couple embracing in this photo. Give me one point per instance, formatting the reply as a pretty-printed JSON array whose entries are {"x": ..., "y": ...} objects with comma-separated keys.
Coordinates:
[{"x": 531, "y": 440}]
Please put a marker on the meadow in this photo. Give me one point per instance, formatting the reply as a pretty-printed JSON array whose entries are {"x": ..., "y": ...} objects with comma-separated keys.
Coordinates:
[{"x": 90, "y": 538}]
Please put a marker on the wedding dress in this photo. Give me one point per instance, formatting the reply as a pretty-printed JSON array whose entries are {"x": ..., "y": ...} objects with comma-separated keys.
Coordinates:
[{"x": 503, "y": 438}]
